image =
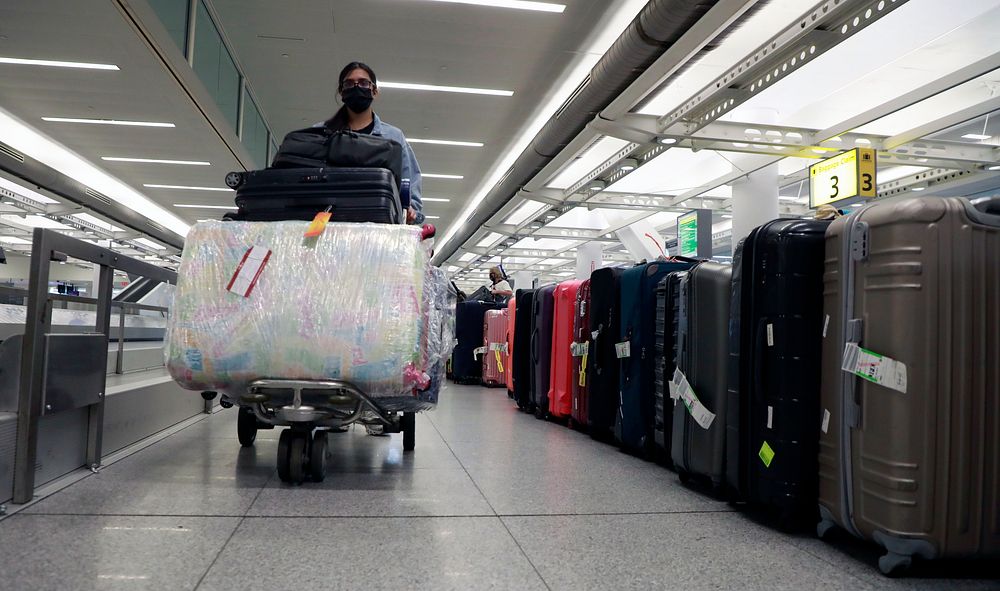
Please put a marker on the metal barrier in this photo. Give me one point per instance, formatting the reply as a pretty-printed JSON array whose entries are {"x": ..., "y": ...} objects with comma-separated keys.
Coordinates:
[{"x": 41, "y": 351}]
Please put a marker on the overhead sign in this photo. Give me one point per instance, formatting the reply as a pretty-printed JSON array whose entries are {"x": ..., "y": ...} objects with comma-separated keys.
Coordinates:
[
  {"x": 845, "y": 176},
  {"x": 687, "y": 234}
]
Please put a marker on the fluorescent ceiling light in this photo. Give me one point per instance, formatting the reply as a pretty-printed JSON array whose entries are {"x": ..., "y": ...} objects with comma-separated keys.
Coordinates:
[
  {"x": 526, "y": 210},
  {"x": 433, "y": 217},
  {"x": 13, "y": 240},
  {"x": 150, "y": 244},
  {"x": 467, "y": 257},
  {"x": 489, "y": 240},
  {"x": 107, "y": 122},
  {"x": 445, "y": 142},
  {"x": 196, "y": 206},
  {"x": 993, "y": 168},
  {"x": 34, "y": 221},
  {"x": 517, "y": 4},
  {"x": 56, "y": 64},
  {"x": 186, "y": 188},
  {"x": 435, "y": 199},
  {"x": 436, "y": 88},
  {"x": 598, "y": 153},
  {"x": 976, "y": 136},
  {"x": 155, "y": 161},
  {"x": 439, "y": 176}
]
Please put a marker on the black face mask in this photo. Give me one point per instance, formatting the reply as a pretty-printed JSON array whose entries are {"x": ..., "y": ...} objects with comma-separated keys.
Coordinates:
[{"x": 357, "y": 99}]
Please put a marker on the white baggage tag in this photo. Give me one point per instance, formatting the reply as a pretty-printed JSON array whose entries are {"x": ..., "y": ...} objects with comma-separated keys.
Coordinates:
[
  {"x": 623, "y": 350},
  {"x": 248, "y": 271},
  {"x": 875, "y": 368},
  {"x": 496, "y": 346},
  {"x": 770, "y": 416},
  {"x": 826, "y": 325},
  {"x": 595, "y": 334},
  {"x": 695, "y": 408},
  {"x": 770, "y": 335},
  {"x": 826, "y": 421},
  {"x": 579, "y": 349}
]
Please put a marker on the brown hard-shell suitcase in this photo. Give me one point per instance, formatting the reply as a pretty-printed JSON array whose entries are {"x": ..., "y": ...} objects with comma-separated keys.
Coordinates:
[{"x": 913, "y": 462}]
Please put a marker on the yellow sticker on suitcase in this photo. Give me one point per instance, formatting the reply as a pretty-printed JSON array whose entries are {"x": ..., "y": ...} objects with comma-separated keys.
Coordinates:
[{"x": 766, "y": 454}]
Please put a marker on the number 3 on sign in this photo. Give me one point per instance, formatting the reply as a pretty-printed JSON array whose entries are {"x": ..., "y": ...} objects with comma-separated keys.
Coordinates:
[
  {"x": 836, "y": 190},
  {"x": 866, "y": 182}
]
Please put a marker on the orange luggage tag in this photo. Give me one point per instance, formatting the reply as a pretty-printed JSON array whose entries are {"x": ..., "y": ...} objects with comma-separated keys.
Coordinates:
[{"x": 318, "y": 224}]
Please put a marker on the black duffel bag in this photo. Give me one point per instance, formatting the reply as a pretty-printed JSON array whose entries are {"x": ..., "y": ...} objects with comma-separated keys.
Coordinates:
[{"x": 318, "y": 147}]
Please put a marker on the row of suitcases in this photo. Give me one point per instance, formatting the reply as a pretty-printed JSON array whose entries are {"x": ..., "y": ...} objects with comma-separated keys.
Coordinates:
[{"x": 849, "y": 366}]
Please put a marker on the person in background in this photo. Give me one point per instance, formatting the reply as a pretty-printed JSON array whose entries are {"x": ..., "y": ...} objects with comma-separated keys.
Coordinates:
[
  {"x": 500, "y": 288},
  {"x": 358, "y": 88}
]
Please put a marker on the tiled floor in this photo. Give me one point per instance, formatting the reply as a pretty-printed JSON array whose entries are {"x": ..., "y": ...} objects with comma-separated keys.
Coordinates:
[{"x": 491, "y": 498}]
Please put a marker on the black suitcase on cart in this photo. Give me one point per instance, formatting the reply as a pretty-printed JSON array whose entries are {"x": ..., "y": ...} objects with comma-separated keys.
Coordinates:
[
  {"x": 522, "y": 347},
  {"x": 776, "y": 332},
  {"x": 466, "y": 365},
  {"x": 543, "y": 308},
  {"x": 699, "y": 447},
  {"x": 668, "y": 304},
  {"x": 352, "y": 194},
  {"x": 603, "y": 367}
]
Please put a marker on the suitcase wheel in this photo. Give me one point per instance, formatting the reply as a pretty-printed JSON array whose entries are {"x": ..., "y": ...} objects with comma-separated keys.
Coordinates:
[
  {"x": 823, "y": 528},
  {"x": 893, "y": 565},
  {"x": 408, "y": 425}
]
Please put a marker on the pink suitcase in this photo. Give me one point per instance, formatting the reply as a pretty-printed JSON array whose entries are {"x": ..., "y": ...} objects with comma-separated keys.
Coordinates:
[
  {"x": 495, "y": 341},
  {"x": 561, "y": 378}
]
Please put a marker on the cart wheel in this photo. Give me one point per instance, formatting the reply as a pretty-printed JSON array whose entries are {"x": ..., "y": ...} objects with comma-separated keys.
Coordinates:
[
  {"x": 408, "y": 425},
  {"x": 317, "y": 457},
  {"x": 246, "y": 426},
  {"x": 298, "y": 457},
  {"x": 284, "y": 447},
  {"x": 893, "y": 565}
]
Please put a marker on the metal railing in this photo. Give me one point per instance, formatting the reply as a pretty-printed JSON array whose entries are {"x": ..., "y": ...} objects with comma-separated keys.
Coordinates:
[{"x": 48, "y": 246}]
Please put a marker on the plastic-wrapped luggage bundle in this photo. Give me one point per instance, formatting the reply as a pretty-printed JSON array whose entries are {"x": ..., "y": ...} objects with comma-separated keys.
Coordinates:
[
  {"x": 440, "y": 300},
  {"x": 357, "y": 303}
]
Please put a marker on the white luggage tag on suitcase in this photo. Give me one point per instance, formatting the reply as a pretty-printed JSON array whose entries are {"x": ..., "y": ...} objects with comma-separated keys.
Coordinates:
[
  {"x": 248, "y": 271},
  {"x": 875, "y": 368},
  {"x": 681, "y": 389}
]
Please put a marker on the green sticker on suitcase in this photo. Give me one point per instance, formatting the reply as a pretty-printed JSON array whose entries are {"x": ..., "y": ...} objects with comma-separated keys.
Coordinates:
[{"x": 766, "y": 454}]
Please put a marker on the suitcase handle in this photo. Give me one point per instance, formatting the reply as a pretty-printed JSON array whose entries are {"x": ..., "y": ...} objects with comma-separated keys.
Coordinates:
[{"x": 985, "y": 210}]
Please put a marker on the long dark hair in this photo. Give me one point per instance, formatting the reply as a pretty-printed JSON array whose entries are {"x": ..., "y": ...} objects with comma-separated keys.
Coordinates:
[{"x": 339, "y": 119}]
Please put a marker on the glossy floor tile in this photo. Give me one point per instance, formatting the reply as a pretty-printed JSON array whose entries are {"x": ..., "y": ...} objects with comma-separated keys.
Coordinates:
[{"x": 491, "y": 499}]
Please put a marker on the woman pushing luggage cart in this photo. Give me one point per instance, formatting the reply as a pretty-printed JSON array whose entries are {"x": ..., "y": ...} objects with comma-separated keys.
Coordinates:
[{"x": 315, "y": 325}]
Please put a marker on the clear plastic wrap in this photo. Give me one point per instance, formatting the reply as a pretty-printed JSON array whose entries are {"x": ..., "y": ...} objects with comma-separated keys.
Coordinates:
[
  {"x": 439, "y": 313},
  {"x": 354, "y": 303}
]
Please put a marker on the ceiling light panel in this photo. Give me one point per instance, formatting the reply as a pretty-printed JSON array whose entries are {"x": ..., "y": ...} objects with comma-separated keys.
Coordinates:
[
  {"x": 435, "y": 199},
  {"x": 544, "y": 243},
  {"x": 107, "y": 122},
  {"x": 437, "y": 88},
  {"x": 56, "y": 64},
  {"x": 467, "y": 257},
  {"x": 515, "y": 4},
  {"x": 586, "y": 162},
  {"x": 24, "y": 191},
  {"x": 197, "y": 206},
  {"x": 187, "y": 188},
  {"x": 581, "y": 218},
  {"x": 34, "y": 221},
  {"x": 674, "y": 172},
  {"x": 14, "y": 240},
  {"x": 155, "y": 161},
  {"x": 445, "y": 142},
  {"x": 97, "y": 222},
  {"x": 489, "y": 240},
  {"x": 149, "y": 243},
  {"x": 525, "y": 211},
  {"x": 919, "y": 42},
  {"x": 429, "y": 175}
]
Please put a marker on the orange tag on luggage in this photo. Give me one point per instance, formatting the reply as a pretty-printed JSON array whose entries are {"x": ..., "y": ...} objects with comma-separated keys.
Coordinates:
[{"x": 318, "y": 224}]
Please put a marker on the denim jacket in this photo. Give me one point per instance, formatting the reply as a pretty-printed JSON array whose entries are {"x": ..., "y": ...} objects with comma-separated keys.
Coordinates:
[{"x": 411, "y": 169}]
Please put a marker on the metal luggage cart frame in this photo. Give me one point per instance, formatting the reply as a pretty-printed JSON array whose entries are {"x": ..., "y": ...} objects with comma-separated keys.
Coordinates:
[{"x": 310, "y": 409}]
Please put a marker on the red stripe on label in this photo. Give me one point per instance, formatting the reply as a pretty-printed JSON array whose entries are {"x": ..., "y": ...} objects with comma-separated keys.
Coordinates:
[
  {"x": 256, "y": 275},
  {"x": 246, "y": 255}
]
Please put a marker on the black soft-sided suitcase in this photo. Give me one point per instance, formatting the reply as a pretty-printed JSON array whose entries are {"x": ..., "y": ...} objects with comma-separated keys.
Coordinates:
[
  {"x": 522, "y": 347},
  {"x": 466, "y": 366},
  {"x": 667, "y": 311},
  {"x": 703, "y": 352},
  {"x": 776, "y": 331},
  {"x": 603, "y": 367},
  {"x": 634, "y": 424},
  {"x": 352, "y": 194},
  {"x": 543, "y": 305}
]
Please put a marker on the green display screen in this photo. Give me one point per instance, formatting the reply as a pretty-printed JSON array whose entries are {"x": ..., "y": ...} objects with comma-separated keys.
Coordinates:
[{"x": 687, "y": 234}]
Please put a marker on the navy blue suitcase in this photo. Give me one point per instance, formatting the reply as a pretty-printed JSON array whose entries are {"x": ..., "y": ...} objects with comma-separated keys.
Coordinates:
[
  {"x": 634, "y": 424},
  {"x": 602, "y": 363},
  {"x": 466, "y": 366},
  {"x": 775, "y": 343},
  {"x": 543, "y": 305},
  {"x": 667, "y": 311},
  {"x": 522, "y": 347}
]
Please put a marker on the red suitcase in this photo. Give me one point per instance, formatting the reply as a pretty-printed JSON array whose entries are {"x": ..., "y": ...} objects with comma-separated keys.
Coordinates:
[
  {"x": 581, "y": 352},
  {"x": 508, "y": 357},
  {"x": 561, "y": 378},
  {"x": 494, "y": 342}
]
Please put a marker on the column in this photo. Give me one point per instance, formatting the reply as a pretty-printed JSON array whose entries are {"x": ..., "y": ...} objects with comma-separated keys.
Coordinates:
[{"x": 588, "y": 258}]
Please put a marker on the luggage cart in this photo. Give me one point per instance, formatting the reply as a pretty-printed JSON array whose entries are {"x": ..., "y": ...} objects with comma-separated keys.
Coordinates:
[{"x": 310, "y": 409}]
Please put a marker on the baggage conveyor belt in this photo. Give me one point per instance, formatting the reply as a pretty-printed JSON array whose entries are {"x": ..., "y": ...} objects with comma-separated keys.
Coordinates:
[{"x": 475, "y": 506}]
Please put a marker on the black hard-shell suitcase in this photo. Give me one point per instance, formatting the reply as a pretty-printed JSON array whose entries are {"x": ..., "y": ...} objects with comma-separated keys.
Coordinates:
[
  {"x": 522, "y": 347},
  {"x": 352, "y": 194},
  {"x": 667, "y": 312},
  {"x": 602, "y": 363},
  {"x": 703, "y": 352},
  {"x": 775, "y": 341},
  {"x": 466, "y": 365},
  {"x": 543, "y": 306},
  {"x": 634, "y": 423}
]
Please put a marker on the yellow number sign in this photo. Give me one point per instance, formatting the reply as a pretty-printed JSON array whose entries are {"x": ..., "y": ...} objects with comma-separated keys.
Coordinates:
[{"x": 845, "y": 176}]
